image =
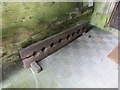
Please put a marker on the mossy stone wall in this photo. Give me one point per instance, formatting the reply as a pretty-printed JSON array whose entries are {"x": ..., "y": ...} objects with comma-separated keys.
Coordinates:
[
  {"x": 102, "y": 14},
  {"x": 27, "y": 23}
]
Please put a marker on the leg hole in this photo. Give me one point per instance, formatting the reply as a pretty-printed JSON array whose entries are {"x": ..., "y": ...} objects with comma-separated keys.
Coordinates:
[
  {"x": 78, "y": 31},
  {"x": 43, "y": 49},
  {"x": 60, "y": 41},
  {"x": 68, "y": 37},
  {"x": 83, "y": 28},
  {"x": 52, "y": 45},
  {"x": 34, "y": 53},
  {"x": 73, "y": 33}
]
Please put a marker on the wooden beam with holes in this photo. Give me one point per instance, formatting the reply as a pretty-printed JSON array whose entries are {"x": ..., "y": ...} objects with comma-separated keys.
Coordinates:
[{"x": 42, "y": 49}]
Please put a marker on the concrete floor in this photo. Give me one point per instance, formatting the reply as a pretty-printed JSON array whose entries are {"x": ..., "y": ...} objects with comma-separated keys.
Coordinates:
[{"x": 81, "y": 64}]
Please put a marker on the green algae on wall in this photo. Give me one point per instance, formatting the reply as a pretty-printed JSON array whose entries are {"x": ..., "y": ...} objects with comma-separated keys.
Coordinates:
[
  {"x": 85, "y": 3},
  {"x": 25, "y": 19},
  {"x": 102, "y": 14},
  {"x": 27, "y": 23},
  {"x": 21, "y": 21}
]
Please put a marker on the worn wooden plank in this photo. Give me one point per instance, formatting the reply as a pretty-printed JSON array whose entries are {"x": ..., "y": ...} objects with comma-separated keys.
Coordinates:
[{"x": 42, "y": 49}]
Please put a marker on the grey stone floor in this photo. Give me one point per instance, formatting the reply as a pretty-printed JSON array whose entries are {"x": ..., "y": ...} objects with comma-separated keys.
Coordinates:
[{"x": 81, "y": 64}]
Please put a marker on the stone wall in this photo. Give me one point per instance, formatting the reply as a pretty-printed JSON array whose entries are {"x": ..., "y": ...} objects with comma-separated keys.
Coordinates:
[
  {"x": 102, "y": 14},
  {"x": 27, "y": 23}
]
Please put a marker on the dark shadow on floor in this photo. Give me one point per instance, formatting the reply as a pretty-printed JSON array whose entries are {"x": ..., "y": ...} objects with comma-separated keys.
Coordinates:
[{"x": 11, "y": 69}]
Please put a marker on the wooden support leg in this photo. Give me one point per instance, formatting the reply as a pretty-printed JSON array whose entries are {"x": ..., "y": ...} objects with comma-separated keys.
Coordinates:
[
  {"x": 86, "y": 35},
  {"x": 35, "y": 66}
]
